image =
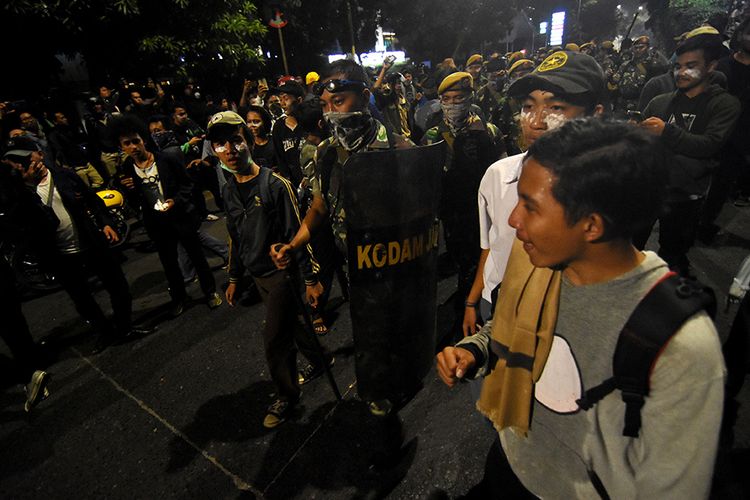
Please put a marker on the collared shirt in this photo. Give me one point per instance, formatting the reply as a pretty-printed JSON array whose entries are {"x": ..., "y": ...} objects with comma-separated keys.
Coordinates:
[
  {"x": 498, "y": 196},
  {"x": 67, "y": 236}
]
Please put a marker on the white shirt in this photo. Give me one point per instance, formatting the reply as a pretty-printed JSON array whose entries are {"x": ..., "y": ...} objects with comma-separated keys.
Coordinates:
[
  {"x": 498, "y": 196},
  {"x": 67, "y": 238}
]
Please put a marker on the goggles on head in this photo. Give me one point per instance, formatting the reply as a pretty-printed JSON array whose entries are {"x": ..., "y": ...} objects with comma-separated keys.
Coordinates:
[{"x": 334, "y": 86}]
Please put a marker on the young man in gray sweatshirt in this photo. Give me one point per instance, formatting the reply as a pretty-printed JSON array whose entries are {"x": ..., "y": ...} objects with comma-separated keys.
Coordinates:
[{"x": 584, "y": 190}]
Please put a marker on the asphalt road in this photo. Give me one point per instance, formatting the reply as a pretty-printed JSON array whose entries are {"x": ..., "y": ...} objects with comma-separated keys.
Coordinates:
[{"x": 178, "y": 414}]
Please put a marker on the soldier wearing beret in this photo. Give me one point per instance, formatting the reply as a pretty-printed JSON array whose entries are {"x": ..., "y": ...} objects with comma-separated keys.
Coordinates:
[{"x": 473, "y": 145}]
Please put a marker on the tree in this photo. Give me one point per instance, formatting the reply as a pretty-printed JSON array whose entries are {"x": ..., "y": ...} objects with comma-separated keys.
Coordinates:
[
  {"x": 435, "y": 29},
  {"x": 669, "y": 19},
  {"x": 317, "y": 28},
  {"x": 131, "y": 37}
]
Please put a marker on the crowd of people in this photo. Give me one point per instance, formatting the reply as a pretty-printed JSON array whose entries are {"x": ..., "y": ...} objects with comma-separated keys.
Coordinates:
[{"x": 558, "y": 164}]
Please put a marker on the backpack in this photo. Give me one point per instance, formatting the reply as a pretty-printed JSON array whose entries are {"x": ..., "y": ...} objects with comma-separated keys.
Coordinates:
[{"x": 655, "y": 320}]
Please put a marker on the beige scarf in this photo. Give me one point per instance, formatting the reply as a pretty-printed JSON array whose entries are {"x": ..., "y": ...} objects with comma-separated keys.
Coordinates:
[{"x": 523, "y": 327}]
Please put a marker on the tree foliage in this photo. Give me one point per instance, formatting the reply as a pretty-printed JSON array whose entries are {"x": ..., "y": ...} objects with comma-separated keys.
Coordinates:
[
  {"x": 435, "y": 29},
  {"x": 131, "y": 37}
]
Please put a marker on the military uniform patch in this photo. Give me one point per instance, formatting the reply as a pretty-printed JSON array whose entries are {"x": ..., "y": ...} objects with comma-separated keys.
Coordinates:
[{"x": 556, "y": 60}]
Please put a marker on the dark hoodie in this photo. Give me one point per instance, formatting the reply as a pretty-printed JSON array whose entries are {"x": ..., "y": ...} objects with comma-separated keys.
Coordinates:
[{"x": 696, "y": 129}]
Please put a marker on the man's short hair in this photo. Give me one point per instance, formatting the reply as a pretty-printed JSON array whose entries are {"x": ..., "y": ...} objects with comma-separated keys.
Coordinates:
[
  {"x": 174, "y": 106},
  {"x": 127, "y": 125},
  {"x": 610, "y": 168},
  {"x": 158, "y": 119},
  {"x": 309, "y": 115},
  {"x": 348, "y": 68},
  {"x": 710, "y": 45}
]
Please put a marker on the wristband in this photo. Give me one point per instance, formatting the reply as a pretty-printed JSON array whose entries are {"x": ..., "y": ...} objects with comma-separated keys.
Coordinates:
[{"x": 470, "y": 304}]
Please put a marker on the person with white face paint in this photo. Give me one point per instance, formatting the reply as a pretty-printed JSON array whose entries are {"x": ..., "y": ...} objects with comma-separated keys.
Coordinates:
[
  {"x": 694, "y": 122},
  {"x": 566, "y": 85},
  {"x": 473, "y": 145},
  {"x": 261, "y": 207}
]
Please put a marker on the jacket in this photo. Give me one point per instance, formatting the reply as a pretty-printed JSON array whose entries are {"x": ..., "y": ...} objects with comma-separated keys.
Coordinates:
[
  {"x": 177, "y": 186},
  {"x": 696, "y": 149}
]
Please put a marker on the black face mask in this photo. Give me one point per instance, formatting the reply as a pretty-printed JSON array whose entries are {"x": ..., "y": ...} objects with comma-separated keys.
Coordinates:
[
  {"x": 164, "y": 139},
  {"x": 276, "y": 110}
]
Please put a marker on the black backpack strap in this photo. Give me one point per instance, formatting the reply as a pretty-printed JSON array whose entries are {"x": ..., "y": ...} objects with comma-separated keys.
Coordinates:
[{"x": 656, "y": 318}]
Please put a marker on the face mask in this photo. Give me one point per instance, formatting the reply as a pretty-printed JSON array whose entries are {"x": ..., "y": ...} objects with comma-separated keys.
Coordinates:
[
  {"x": 164, "y": 139},
  {"x": 456, "y": 115},
  {"x": 276, "y": 110},
  {"x": 353, "y": 130}
]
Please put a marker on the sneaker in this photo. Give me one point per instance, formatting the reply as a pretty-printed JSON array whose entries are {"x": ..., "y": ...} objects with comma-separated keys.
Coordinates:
[
  {"x": 213, "y": 300},
  {"x": 211, "y": 218},
  {"x": 277, "y": 413},
  {"x": 311, "y": 372},
  {"x": 177, "y": 308},
  {"x": 742, "y": 201},
  {"x": 36, "y": 389},
  {"x": 380, "y": 408}
]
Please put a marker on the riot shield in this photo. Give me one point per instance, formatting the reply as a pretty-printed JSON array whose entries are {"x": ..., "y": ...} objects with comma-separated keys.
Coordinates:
[{"x": 392, "y": 199}]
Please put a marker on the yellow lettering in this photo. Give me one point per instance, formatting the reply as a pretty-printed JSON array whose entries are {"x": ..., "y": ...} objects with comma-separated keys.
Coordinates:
[
  {"x": 363, "y": 257},
  {"x": 394, "y": 253},
  {"x": 379, "y": 255},
  {"x": 417, "y": 244},
  {"x": 405, "y": 251}
]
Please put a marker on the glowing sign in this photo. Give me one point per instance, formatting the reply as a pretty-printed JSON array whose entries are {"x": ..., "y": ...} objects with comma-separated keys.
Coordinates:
[
  {"x": 557, "y": 29},
  {"x": 543, "y": 28}
]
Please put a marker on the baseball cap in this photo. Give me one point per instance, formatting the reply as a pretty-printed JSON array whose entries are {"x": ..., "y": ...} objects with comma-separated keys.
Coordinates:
[
  {"x": 291, "y": 88},
  {"x": 223, "y": 118},
  {"x": 20, "y": 146},
  {"x": 566, "y": 73}
]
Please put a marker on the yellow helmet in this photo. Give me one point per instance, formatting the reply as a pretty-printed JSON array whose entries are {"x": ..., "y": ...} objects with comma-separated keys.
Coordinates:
[{"x": 111, "y": 197}]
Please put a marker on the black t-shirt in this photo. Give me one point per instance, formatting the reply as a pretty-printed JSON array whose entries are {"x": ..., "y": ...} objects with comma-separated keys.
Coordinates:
[
  {"x": 686, "y": 110},
  {"x": 287, "y": 143},
  {"x": 247, "y": 189},
  {"x": 265, "y": 155}
]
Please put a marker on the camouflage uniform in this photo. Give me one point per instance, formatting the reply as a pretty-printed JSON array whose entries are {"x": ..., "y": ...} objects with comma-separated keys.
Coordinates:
[
  {"x": 491, "y": 102},
  {"x": 324, "y": 176},
  {"x": 469, "y": 154},
  {"x": 633, "y": 75}
]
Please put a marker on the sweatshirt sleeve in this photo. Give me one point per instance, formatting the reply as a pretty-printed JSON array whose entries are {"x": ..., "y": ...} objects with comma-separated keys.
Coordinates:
[
  {"x": 290, "y": 220},
  {"x": 725, "y": 110},
  {"x": 479, "y": 345},
  {"x": 674, "y": 455},
  {"x": 236, "y": 268}
]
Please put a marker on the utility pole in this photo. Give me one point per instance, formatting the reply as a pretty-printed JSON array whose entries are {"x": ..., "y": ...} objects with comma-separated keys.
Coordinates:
[{"x": 351, "y": 28}]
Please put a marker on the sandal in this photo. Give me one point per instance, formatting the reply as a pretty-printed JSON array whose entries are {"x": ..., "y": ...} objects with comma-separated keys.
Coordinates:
[{"x": 319, "y": 326}]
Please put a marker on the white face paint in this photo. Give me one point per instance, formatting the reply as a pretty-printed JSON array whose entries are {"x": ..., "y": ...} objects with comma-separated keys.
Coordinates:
[
  {"x": 554, "y": 120},
  {"x": 551, "y": 119},
  {"x": 692, "y": 73}
]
